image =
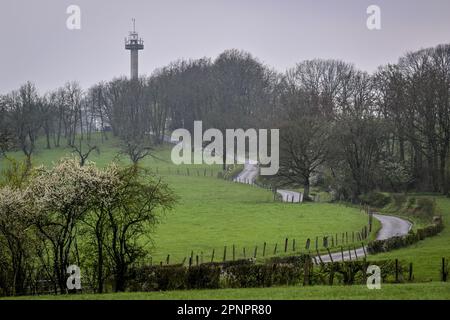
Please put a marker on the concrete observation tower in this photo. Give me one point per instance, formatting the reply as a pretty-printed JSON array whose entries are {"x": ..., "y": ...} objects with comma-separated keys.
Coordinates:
[{"x": 134, "y": 44}]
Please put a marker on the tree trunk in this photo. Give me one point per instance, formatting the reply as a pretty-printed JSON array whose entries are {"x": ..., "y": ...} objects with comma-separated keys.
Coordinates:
[
  {"x": 306, "y": 187},
  {"x": 47, "y": 135},
  {"x": 443, "y": 173},
  {"x": 120, "y": 278},
  {"x": 100, "y": 268}
]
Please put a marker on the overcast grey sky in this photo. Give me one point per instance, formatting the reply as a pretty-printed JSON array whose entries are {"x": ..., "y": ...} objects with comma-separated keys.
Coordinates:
[{"x": 37, "y": 46}]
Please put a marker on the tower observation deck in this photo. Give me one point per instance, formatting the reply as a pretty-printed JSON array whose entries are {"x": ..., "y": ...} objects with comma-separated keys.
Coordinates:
[{"x": 134, "y": 44}]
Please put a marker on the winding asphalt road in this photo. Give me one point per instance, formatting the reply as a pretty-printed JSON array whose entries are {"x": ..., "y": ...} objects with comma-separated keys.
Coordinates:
[
  {"x": 249, "y": 175},
  {"x": 390, "y": 226}
]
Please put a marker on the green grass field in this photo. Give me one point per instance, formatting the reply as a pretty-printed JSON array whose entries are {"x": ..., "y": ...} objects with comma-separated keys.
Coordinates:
[
  {"x": 212, "y": 213},
  {"x": 435, "y": 291},
  {"x": 426, "y": 255}
]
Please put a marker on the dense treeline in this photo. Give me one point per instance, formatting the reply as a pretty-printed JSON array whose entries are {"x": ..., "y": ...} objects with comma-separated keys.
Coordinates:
[
  {"x": 96, "y": 219},
  {"x": 343, "y": 129}
]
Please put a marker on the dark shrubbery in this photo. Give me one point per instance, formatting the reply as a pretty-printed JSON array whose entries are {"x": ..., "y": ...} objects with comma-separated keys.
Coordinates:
[
  {"x": 203, "y": 277},
  {"x": 246, "y": 274},
  {"x": 412, "y": 237},
  {"x": 375, "y": 199},
  {"x": 425, "y": 208},
  {"x": 421, "y": 207},
  {"x": 156, "y": 278},
  {"x": 398, "y": 200},
  {"x": 289, "y": 260},
  {"x": 355, "y": 272},
  {"x": 262, "y": 275},
  {"x": 231, "y": 274}
]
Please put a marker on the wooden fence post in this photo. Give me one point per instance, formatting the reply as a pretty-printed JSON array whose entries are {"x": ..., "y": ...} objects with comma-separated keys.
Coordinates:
[
  {"x": 364, "y": 250},
  {"x": 410, "y": 277},
  {"x": 264, "y": 249},
  {"x": 275, "y": 249},
  {"x": 331, "y": 257},
  {"x": 224, "y": 253},
  {"x": 320, "y": 258},
  {"x": 168, "y": 258},
  {"x": 285, "y": 244},
  {"x": 396, "y": 270},
  {"x": 306, "y": 266},
  {"x": 444, "y": 271},
  {"x": 256, "y": 251},
  {"x": 212, "y": 256},
  {"x": 234, "y": 252}
]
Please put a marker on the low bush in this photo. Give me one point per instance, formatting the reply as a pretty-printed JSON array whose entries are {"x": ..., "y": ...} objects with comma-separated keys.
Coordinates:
[
  {"x": 246, "y": 274},
  {"x": 412, "y": 237},
  {"x": 299, "y": 260},
  {"x": 375, "y": 199},
  {"x": 156, "y": 278},
  {"x": 425, "y": 208},
  {"x": 398, "y": 201},
  {"x": 422, "y": 208},
  {"x": 230, "y": 274},
  {"x": 355, "y": 272}
]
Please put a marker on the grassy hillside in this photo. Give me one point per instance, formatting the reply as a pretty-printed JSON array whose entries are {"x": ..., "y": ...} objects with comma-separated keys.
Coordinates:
[
  {"x": 436, "y": 291},
  {"x": 212, "y": 213},
  {"x": 426, "y": 255}
]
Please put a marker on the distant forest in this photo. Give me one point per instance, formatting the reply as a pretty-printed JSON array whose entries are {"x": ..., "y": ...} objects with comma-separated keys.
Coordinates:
[{"x": 343, "y": 129}]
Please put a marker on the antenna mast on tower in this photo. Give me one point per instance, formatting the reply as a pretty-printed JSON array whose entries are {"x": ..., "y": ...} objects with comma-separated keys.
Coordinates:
[{"x": 134, "y": 44}]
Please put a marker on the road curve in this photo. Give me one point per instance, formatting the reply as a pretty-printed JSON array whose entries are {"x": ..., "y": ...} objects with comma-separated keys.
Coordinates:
[
  {"x": 249, "y": 175},
  {"x": 390, "y": 226}
]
